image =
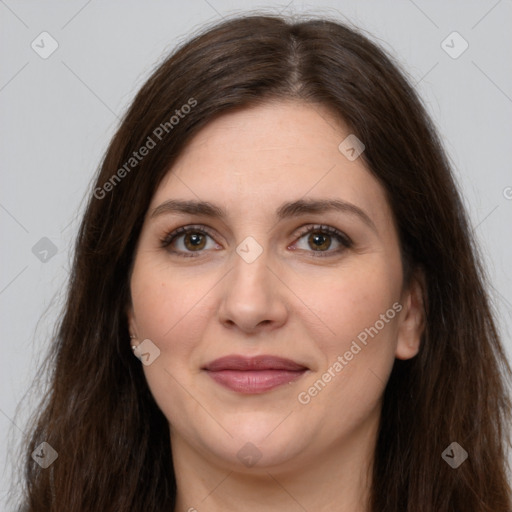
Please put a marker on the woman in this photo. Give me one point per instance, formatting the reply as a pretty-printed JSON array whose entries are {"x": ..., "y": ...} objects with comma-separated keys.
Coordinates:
[{"x": 276, "y": 303}]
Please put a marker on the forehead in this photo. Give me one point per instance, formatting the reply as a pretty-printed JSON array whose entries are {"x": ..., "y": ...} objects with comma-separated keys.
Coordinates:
[{"x": 254, "y": 159}]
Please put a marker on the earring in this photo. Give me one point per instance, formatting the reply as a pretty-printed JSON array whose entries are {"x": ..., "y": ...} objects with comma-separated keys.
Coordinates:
[{"x": 132, "y": 337}]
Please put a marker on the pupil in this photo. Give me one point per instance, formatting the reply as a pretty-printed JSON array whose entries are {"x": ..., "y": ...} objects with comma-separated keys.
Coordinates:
[{"x": 195, "y": 239}]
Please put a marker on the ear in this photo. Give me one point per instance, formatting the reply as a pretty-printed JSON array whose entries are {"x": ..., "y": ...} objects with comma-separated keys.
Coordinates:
[{"x": 412, "y": 319}]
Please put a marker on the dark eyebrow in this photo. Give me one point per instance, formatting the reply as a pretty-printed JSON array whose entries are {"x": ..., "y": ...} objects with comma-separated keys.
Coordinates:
[{"x": 286, "y": 210}]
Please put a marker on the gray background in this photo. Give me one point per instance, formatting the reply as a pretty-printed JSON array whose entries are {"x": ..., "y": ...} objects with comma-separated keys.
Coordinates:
[{"x": 59, "y": 113}]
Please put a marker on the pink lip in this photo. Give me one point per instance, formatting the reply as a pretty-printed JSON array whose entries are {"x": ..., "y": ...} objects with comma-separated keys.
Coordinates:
[{"x": 252, "y": 375}]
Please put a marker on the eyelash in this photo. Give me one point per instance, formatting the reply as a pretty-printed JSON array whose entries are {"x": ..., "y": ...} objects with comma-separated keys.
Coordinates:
[{"x": 343, "y": 239}]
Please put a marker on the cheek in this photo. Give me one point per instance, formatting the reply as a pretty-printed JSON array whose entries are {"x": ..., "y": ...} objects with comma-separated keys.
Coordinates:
[
  {"x": 361, "y": 309},
  {"x": 169, "y": 309},
  {"x": 358, "y": 358},
  {"x": 164, "y": 300},
  {"x": 352, "y": 300}
]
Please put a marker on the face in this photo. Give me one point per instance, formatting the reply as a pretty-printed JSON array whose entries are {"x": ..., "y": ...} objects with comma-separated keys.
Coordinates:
[{"x": 275, "y": 295}]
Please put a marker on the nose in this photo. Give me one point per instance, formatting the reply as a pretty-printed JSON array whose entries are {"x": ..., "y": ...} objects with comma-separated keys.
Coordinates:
[{"x": 253, "y": 298}]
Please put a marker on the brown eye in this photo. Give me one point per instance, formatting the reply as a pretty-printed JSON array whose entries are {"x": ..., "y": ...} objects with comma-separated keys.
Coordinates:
[
  {"x": 320, "y": 239},
  {"x": 185, "y": 241}
]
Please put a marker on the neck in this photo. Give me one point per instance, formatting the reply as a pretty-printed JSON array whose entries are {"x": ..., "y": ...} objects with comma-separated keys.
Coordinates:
[{"x": 338, "y": 479}]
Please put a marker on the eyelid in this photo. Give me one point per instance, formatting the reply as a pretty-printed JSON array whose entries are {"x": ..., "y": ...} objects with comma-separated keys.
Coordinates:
[{"x": 342, "y": 238}]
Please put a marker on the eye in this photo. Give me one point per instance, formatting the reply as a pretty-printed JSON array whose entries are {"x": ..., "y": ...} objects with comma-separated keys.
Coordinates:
[
  {"x": 185, "y": 241},
  {"x": 319, "y": 240}
]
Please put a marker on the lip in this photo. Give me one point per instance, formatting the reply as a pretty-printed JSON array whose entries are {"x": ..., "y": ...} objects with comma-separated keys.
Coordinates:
[{"x": 251, "y": 375}]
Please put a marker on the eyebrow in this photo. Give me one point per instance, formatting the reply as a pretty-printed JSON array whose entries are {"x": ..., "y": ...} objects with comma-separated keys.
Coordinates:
[{"x": 286, "y": 210}]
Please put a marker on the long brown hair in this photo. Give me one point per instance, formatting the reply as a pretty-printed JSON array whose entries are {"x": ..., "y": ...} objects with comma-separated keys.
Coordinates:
[{"x": 113, "y": 441}]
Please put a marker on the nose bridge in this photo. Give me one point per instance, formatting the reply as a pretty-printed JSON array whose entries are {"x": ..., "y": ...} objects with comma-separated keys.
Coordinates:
[
  {"x": 252, "y": 295},
  {"x": 251, "y": 272}
]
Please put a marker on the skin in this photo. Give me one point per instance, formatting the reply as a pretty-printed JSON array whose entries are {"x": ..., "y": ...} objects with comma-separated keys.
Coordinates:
[{"x": 289, "y": 302}]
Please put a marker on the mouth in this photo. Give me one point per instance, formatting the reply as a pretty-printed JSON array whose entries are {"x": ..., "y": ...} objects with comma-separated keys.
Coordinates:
[{"x": 252, "y": 375}]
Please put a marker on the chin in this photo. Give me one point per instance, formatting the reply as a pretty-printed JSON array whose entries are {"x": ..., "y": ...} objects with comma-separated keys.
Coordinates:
[{"x": 264, "y": 442}]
